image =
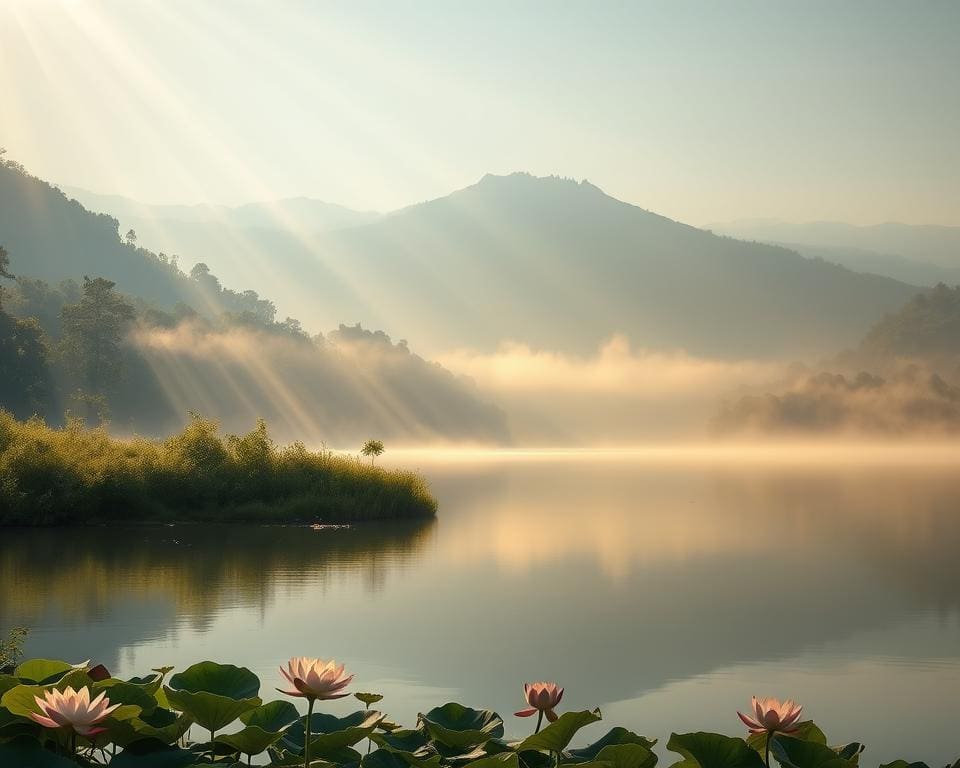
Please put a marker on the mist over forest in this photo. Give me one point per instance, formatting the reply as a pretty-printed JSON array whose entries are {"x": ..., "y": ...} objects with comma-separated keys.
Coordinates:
[{"x": 520, "y": 310}]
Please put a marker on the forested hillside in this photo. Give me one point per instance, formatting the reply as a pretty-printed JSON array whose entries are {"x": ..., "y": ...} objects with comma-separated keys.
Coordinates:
[
  {"x": 556, "y": 264},
  {"x": 95, "y": 326}
]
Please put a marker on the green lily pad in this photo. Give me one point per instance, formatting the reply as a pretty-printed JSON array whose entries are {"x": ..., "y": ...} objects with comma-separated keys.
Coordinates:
[
  {"x": 120, "y": 692},
  {"x": 503, "y": 760},
  {"x": 796, "y": 753},
  {"x": 209, "y": 710},
  {"x": 219, "y": 679},
  {"x": 20, "y": 700},
  {"x": 330, "y": 734},
  {"x": 904, "y": 764},
  {"x": 455, "y": 725},
  {"x": 272, "y": 716},
  {"x": 28, "y": 752},
  {"x": 214, "y": 695},
  {"x": 711, "y": 750},
  {"x": 155, "y": 755},
  {"x": 264, "y": 726},
  {"x": 42, "y": 671},
  {"x": 851, "y": 751},
  {"x": 404, "y": 740},
  {"x": 369, "y": 698},
  {"x": 806, "y": 731},
  {"x": 556, "y": 736},
  {"x": 161, "y": 725},
  {"x": 251, "y": 740},
  {"x": 614, "y": 736},
  {"x": 627, "y": 756},
  {"x": 7, "y": 682}
]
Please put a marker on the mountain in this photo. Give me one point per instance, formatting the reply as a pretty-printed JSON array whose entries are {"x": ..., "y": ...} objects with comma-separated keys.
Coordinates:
[
  {"x": 924, "y": 254},
  {"x": 927, "y": 328},
  {"x": 560, "y": 264},
  {"x": 163, "y": 343},
  {"x": 889, "y": 265},
  {"x": 52, "y": 238},
  {"x": 302, "y": 213},
  {"x": 551, "y": 262}
]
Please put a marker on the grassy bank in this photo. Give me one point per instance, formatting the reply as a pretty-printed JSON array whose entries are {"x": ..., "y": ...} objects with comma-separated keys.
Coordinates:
[{"x": 79, "y": 475}]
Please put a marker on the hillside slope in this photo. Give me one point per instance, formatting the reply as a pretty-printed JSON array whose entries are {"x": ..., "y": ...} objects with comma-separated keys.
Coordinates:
[
  {"x": 550, "y": 262},
  {"x": 560, "y": 264},
  {"x": 186, "y": 343}
]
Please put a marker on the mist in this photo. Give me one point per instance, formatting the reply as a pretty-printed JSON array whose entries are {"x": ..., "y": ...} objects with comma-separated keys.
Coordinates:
[{"x": 619, "y": 395}]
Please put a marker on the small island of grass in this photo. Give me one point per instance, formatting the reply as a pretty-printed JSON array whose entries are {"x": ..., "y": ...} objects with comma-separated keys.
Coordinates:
[{"x": 80, "y": 475}]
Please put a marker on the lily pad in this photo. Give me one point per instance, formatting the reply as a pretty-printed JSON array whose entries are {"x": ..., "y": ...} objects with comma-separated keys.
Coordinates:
[
  {"x": 795, "y": 753},
  {"x": 42, "y": 671},
  {"x": 214, "y": 695},
  {"x": 806, "y": 731},
  {"x": 455, "y": 725},
  {"x": 272, "y": 716},
  {"x": 28, "y": 752},
  {"x": 616, "y": 735},
  {"x": 120, "y": 692},
  {"x": 904, "y": 764},
  {"x": 154, "y": 755},
  {"x": 330, "y": 734},
  {"x": 556, "y": 736},
  {"x": 369, "y": 698},
  {"x": 712, "y": 750},
  {"x": 264, "y": 726}
]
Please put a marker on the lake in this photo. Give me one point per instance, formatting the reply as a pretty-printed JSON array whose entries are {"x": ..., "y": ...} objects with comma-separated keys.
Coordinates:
[{"x": 664, "y": 592}]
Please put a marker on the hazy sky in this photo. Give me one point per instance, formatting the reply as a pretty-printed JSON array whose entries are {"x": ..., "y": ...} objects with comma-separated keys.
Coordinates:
[{"x": 702, "y": 111}]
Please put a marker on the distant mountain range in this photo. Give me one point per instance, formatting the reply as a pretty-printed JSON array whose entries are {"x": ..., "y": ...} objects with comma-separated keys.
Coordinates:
[
  {"x": 922, "y": 254},
  {"x": 548, "y": 261}
]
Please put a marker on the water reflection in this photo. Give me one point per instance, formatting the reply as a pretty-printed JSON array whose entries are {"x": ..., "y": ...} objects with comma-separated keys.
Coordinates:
[
  {"x": 150, "y": 579},
  {"x": 656, "y": 590}
]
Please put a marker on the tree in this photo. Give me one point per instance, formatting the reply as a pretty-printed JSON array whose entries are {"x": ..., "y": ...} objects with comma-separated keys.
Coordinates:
[
  {"x": 131, "y": 237},
  {"x": 93, "y": 331},
  {"x": 24, "y": 374},
  {"x": 5, "y": 264},
  {"x": 372, "y": 448}
]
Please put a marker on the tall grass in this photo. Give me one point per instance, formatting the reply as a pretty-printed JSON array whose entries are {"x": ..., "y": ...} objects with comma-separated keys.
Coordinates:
[{"x": 80, "y": 475}]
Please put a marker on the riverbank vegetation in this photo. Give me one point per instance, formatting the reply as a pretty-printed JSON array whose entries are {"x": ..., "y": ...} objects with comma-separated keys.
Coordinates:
[
  {"x": 75, "y": 474},
  {"x": 54, "y": 715}
]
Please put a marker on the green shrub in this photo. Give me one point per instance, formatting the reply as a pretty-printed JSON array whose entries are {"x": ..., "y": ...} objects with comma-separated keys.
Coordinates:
[{"x": 79, "y": 475}]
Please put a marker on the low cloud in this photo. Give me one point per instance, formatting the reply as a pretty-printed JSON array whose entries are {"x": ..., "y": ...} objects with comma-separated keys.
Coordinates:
[{"x": 619, "y": 394}]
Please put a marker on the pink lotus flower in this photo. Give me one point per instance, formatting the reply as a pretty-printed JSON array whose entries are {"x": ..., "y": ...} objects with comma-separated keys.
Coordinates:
[
  {"x": 772, "y": 716},
  {"x": 542, "y": 697},
  {"x": 315, "y": 678},
  {"x": 73, "y": 709}
]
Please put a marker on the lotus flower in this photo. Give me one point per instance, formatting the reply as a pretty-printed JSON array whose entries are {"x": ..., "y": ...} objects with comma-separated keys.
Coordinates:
[
  {"x": 542, "y": 698},
  {"x": 772, "y": 716},
  {"x": 73, "y": 709},
  {"x": 315, "y": 678}
]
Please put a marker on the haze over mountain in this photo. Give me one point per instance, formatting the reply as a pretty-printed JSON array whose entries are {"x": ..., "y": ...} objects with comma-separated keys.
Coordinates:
[
  {"x": 553, "y": 263},
  {"x": 296, "y": 212},
  {"x": 172, "y": 342},
  {"x": 921, "y": 254}
]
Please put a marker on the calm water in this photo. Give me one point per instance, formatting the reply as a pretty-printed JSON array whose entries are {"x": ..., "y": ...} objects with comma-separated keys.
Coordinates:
[{"x": 664, "y": 594}]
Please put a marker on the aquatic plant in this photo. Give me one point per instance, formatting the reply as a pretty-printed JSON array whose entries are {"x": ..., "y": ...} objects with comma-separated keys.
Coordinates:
[
  {"x": 772, "y": 716},
  {"x": 314, "y": 679},
  {"x": 73, "y": 710},
  {"x": 542, "y": 698},
  {"x": 54, "y": 714}
]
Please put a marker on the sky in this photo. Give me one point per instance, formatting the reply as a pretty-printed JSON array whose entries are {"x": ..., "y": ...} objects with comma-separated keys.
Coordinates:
[{"x": 701, "y": 111}]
